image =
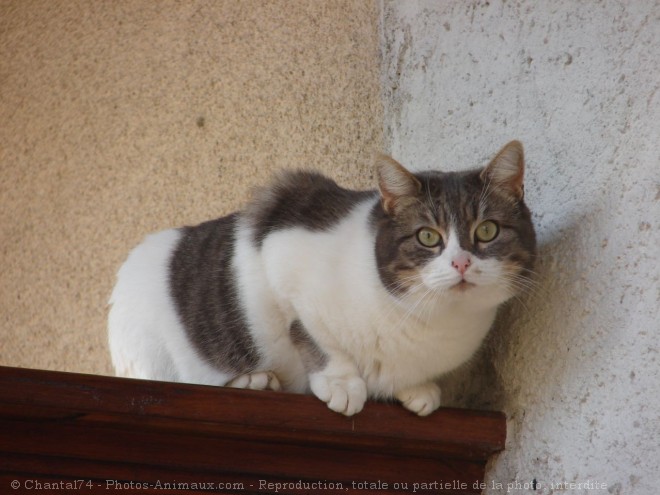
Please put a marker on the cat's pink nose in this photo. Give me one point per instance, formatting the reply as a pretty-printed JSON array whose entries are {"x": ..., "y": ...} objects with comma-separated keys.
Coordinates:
[{"x": 461, "y": 262}]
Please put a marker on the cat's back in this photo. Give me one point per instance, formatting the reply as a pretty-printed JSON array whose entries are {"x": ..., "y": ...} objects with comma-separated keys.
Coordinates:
[{"x": 301, "y": 198}]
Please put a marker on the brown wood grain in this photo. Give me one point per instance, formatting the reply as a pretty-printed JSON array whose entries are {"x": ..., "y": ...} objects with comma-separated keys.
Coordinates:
[{"x": 63, "y": 426}]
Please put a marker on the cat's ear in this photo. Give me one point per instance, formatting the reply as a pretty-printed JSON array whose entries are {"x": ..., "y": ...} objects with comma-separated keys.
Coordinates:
[
  {"x": 396, "y": 184},
  {"x": 507, "y": 170}
]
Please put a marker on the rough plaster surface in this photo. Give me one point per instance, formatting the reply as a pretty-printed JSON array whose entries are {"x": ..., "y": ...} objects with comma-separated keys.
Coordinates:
[
  {"x": 575, "y": 364},
  {"x": 125, "y": 117}
]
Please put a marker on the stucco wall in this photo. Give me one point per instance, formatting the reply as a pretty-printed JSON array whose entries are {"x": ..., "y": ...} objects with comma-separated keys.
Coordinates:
[
  {"x": 125, "y": 117},
  {"x": 575, "y": 363}
]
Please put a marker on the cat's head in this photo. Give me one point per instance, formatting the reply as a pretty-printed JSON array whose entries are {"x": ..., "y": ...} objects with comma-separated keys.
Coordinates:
[{"x": 462, "y": 236}]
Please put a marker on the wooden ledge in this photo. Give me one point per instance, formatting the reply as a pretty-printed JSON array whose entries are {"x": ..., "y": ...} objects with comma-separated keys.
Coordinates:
[{"x": 113, "y": 432}]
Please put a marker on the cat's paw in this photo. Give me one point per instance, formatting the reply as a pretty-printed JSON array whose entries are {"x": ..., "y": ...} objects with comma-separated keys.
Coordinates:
[
  {"x": 422, "y": 399},
  {"x": 345, "y": 395},
  {"x": 259, "y": 380}
]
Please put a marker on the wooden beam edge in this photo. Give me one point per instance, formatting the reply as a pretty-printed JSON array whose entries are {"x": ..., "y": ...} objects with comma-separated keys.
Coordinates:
[{"x": 264, "y": 416}]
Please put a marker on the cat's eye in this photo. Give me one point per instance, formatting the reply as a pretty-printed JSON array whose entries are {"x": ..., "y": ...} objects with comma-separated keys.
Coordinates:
[
  {"x": 428, "y": 237},
  {"x": 486, "y": 231}
]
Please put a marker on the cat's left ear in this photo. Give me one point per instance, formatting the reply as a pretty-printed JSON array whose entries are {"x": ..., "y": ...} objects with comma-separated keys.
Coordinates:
[
  {"x": 507, "y": 170},
  {"x": 397, "y": 185}
]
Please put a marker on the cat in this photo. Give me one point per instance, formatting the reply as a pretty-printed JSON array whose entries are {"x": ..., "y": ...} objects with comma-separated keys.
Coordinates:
[{"x": 315, "y": 288}]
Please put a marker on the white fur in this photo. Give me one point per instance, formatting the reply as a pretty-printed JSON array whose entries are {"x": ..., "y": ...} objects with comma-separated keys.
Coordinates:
[
  {"x": 267, "y": 316},
  {"x": 377, "y": 345},
  {"x": 146, "y": 337}
]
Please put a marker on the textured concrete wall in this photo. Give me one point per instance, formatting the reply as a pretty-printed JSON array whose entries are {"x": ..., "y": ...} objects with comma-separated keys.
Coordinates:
[
  {"x": 124, "y": 117},
  {"x": 575, "y": 363}
]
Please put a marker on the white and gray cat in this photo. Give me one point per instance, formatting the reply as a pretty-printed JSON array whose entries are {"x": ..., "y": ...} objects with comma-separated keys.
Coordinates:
[{"x": 347, "y": 294}]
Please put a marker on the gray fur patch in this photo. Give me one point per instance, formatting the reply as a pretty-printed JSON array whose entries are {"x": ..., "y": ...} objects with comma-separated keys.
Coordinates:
[
  {"x": 203, "y": 286},
  {"x": 301, "y": 199},
  {"x": 314, "y": 359}
]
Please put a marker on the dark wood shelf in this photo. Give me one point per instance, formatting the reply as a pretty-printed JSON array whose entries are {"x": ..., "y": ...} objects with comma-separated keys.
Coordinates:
[{"x": 67, "y": 428}]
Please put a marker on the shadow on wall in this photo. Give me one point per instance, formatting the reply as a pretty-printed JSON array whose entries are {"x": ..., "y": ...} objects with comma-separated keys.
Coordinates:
[{"x": 488, "y": 380}]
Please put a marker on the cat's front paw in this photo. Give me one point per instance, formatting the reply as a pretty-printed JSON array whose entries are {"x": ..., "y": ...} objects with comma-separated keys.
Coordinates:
[
  {"x": 259, "y": 380},
  {"x": 422, "y": 399},
  {"x": 345, "y": 394}
]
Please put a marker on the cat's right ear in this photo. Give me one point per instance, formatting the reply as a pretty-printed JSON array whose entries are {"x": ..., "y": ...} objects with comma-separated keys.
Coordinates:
[
  {"x": 506, "y": 171},
  {"x": 396, "y": 184}
]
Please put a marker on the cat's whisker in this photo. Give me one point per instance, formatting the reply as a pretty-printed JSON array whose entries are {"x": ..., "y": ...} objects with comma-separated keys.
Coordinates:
[
  {"x": 530, "y": 273},
  {"x": 524, "y": 285},
  {"x": 519, "y": 300},
  {"x": 522, "y": 289},
  {"x": 526, "y": 280},
  {"x": 385, "y": 317},
  {"x": 400, "y": 325},
  {"x": 428, "y": 309},
  {"x": 414, "y": 312},
  {"x": 519, "y": 282}
]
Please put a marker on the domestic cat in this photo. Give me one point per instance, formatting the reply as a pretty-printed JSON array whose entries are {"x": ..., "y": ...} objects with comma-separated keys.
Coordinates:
[{"x": 313, "y": 287}]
